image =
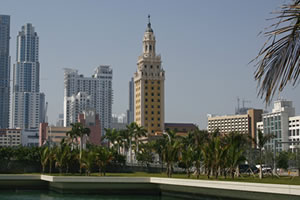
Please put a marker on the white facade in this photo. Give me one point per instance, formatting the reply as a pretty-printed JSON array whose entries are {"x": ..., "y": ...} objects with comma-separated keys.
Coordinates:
[
  {"x": 279, "y": 123},
  {"x": 97, "y": 88},
  {"x": 294, "y": 131},
  {"x": 76, "y": 104},
  {"x": 229, "y": 123},
  {"x": 30, "y": 137}
]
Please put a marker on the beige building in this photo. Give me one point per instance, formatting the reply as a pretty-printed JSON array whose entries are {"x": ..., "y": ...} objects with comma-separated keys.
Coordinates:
[
  {"x": 10, "y": 137},
  {"x": 245, "y": 124},
  {"x": 52, "y": 134},
  {"x": 149, "y": 86}
]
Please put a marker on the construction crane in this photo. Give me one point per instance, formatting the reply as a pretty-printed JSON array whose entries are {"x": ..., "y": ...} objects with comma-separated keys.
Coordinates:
[{"x": 245, "y": 101}]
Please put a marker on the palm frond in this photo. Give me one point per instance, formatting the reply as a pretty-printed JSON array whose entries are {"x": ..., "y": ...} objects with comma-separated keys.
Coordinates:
[{"x": 278, "y": 60}]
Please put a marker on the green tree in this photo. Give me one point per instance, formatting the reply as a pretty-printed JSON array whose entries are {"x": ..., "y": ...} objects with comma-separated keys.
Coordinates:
[
  {"x": 278, "y": 60},
  {"x": 171, "y": 150},
  {"x": 260, "y": 143},
  {"x": 145, "y": 154},
  {"x": 78, "y": 130},
  {"x": 88, "y": 159},
  {"x": 61, "y": 155},
  {"x": 44, "y": 151},
  {"x": 112, "y": 135},
  {"x": 236, "y": 146},
  {"x": 103, "y": 157},
  {"x": 282, "y": 160}
]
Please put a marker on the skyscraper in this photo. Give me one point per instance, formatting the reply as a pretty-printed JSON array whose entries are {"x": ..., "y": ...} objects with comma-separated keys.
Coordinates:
[
  {"x": 26, "y": 81},
  {"x": 130, "y": 111},
  {"x": 4, "y": 70},
  {"x": 96, "y": 93},
  {"x": 149, "y": 86}
]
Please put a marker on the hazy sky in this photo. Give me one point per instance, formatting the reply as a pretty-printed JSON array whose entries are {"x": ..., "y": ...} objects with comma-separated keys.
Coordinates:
[{"x": 205, "y": 47}]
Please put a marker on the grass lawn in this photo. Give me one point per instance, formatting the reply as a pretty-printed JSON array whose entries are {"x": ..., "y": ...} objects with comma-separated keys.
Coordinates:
[{"x": 244, "y": 178}]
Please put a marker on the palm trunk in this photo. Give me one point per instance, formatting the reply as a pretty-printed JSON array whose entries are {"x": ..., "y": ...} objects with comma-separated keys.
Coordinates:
[{"x": 260, "y": 164}]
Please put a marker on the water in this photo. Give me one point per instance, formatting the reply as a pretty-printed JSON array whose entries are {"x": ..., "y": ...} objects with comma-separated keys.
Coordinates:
[{"x": 48, "y": 195}]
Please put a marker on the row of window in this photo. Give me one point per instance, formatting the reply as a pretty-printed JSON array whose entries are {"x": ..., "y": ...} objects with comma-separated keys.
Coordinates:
[
  {"x": 151, "y": 66},
  {"x": 152, "y": 82},
  {"x": 152, "y": 119},
  {"x": 152, "y": 100},
  {"x": 152, "y": 112},
  {"x": 152, "y": 125},
  {"x": 152, "y": 106},
  {"x": 152, "y": 94}
]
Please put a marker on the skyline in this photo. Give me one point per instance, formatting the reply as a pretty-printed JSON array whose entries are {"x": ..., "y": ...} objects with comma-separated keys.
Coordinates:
[{"x": 111, "y": 47}]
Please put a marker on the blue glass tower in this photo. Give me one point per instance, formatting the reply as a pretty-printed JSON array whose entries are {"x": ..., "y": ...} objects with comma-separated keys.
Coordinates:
[
  {"x": 4, "y": 70},
  {"x": 26, "y": 84}
]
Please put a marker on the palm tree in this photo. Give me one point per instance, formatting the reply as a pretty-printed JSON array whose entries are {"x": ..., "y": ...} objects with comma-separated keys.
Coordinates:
[
  {"x": 103, "y": 157},
  {"x": 236, "y": 144},
  {"x": 131, "y": 131},
  {"x": 44, "y": 157},
  {"x": 200, "y": 137},
  {"x": 61, "y": 155},
  {"x": 112, "y": 135},
  {"x": 139, "y": 133},
  {"x": 87, "y": 160},
  {"x": 159, "y": 147},
  {"x": 51, "y": 159},
  {"x": 78, "y": 130},
  {"x": 187, "y": 152},
  {"x": 278, "y": 60},
  {"x": 171, "y": 150},
  {"x": 262, "y": 139},
  {"x": 145, "y": 154}
]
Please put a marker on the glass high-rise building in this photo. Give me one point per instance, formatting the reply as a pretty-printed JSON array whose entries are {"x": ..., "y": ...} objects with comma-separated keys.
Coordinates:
[
  {"x": 4, "y": 70},
  {"x": 26, "y": 81}
]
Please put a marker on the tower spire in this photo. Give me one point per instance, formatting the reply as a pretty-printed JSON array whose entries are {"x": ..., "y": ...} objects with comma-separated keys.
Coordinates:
[{"x": 149, "y": 29}]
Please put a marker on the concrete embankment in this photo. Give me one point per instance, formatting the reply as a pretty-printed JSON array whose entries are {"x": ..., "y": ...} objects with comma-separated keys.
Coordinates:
[{"x": 183, "y": 188}]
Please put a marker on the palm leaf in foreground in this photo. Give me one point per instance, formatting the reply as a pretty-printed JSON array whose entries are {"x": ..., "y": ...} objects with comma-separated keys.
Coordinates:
[{"x": 278, "y": 60}]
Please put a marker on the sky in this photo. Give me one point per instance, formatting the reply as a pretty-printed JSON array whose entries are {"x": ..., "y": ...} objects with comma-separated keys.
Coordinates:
[{"x": 205, "y": 45}]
